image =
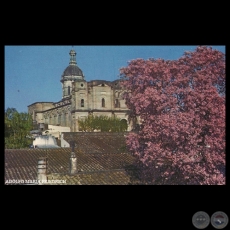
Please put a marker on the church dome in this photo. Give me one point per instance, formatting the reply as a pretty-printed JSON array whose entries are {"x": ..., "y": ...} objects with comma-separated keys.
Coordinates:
[{"x": 72, "y": 71}]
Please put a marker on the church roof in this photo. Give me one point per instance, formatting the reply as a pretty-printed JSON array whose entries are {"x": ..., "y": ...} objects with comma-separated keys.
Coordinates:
[{"x": 72, "y": 70}]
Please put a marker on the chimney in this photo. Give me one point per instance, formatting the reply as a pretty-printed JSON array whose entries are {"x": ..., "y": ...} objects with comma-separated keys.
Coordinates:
[
  {"x": 73, "y": 160},
  {"x": 42, "y": 169}
]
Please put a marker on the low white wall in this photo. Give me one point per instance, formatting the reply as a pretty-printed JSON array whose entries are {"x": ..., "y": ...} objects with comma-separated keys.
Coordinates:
[
  {"x": 59, "y": 128},
  {"x": 64, "y": 143}
]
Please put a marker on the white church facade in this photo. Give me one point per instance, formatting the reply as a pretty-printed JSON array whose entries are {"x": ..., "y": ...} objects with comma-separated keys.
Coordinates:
[{"x": 80, "y": 99}]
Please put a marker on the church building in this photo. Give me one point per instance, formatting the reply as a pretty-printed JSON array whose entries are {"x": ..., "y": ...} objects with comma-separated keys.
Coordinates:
[{"x": 80, "y": 99}]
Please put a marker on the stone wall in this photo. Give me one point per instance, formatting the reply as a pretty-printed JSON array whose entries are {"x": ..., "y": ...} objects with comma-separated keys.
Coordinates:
[{"x": 96, "y": 97}]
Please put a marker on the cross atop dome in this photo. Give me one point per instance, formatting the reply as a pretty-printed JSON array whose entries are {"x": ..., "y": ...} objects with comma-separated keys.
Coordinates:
[{"x": 72, "y": 54}]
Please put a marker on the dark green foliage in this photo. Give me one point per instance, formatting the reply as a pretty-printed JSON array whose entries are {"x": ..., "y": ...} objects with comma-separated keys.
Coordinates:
[
  {"x": 17, "y": 127},
  {"x": 103, "y": 124}
]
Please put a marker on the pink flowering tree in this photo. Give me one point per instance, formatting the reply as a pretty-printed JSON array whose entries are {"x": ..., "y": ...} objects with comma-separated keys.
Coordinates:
[{"x": 181, "y": 106}]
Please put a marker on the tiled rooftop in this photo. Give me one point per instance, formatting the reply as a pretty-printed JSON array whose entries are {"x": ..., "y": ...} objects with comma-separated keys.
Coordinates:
[
  {"x": 97, "y": 142},
  {"x": 93, "y": 168}
]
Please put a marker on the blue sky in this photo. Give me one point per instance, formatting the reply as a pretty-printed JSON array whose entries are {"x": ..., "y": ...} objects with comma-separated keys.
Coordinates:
[{"x": 33, "y": 73}]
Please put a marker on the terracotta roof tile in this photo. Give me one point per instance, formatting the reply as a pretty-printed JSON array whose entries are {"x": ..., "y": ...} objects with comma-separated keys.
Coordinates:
[
  {"x": 97, "y": 142},
  {"x": 93, "y": 168}
]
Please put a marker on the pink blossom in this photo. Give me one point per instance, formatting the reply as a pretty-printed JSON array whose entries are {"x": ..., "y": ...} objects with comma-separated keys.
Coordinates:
[{"x": 181, "y": 104}]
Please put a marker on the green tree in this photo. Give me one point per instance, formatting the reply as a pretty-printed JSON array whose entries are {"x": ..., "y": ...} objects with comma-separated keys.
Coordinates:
[
  {"x": 102, "y": 123},
  {"x": 17, "y": 127}
]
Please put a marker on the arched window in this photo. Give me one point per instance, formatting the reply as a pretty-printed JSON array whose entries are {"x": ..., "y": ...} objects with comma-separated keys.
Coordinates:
[
  {"x": 103, "y": 102},
  {"x": 68, "y": 90},
  {"x": 82, "y": 102}
]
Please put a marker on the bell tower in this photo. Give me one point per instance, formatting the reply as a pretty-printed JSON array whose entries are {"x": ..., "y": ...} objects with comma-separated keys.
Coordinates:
[{"x": 70, "y": 75}]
